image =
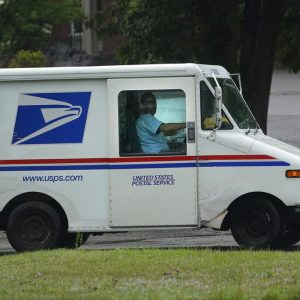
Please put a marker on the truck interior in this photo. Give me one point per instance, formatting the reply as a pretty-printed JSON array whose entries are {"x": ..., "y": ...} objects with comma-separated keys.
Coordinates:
[{"x": 170, "y": 109}]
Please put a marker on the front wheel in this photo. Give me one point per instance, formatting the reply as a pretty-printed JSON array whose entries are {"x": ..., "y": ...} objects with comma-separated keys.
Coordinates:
[
  {"x": 34, "y": 226},
  {"x": 255, "y": 223}
]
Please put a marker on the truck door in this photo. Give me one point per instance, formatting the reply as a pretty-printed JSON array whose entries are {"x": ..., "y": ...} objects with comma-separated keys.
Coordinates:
[{"x": 152, "y": 189}]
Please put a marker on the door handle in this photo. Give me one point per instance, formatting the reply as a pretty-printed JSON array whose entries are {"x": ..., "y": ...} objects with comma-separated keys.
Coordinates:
[{"x": 190, "y": 132}]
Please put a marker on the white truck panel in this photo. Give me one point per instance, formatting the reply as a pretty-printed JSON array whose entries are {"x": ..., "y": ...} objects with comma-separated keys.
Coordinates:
[
  {"x": 85, "y": 202},
  {"x": 68, "y": 148}
]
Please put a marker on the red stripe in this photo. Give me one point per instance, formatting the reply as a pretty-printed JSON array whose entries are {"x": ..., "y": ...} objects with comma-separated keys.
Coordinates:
[
  {"x": 151, "y": 159},
  {"x": 53, "y": 161},
  {"x": 131, "y": 159},
  {"x": 234, "y": 157}
]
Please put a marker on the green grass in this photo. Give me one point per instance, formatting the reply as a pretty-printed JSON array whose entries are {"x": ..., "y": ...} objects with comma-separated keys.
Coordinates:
[{"x": 150, "y": 274}]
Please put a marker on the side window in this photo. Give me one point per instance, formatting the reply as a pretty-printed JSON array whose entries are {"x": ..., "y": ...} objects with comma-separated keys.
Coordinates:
[
  {"x": 152, "y": 122},
  {"x": 208, "y": 121}
]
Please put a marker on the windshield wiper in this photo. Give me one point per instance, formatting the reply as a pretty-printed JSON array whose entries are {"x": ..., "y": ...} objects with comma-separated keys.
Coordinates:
[{"x": 256, "y": 128}]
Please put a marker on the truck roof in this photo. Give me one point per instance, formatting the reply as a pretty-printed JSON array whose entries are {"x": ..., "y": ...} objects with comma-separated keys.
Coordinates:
[{"x": 105, "y": 72}]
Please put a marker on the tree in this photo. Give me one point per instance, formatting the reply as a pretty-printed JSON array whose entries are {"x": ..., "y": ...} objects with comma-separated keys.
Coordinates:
[
  {"x": 212, "y": 32},
  {"x": 156, "y": 31},
  {"x": 289, "y": 39},
  {"x": 28, "y": 24},
  {"x": 261, "y": 28}
]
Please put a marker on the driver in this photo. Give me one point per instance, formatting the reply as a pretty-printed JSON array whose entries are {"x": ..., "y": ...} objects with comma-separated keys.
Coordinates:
[{"x": 151, "y": 131}]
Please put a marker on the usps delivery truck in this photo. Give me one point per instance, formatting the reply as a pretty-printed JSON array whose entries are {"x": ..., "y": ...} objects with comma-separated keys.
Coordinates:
[{"x": 72, "y": 160}]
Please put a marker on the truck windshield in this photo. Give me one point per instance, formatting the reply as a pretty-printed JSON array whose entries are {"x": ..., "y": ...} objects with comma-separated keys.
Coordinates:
[{"x": 235, "y": 103}]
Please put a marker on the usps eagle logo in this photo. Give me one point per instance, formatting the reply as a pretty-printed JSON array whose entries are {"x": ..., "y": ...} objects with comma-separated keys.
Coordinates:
[{"x": 51, "y": 118}]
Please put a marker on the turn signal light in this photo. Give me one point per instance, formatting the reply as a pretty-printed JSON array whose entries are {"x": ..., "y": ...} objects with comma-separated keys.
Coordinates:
[{"x": 292, "y": 174}]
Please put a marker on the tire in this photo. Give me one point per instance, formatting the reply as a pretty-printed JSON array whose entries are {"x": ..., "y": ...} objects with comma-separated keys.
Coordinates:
[
  {"x": 34, "y": 226},
  {"x": 288, "y": 238},
  {"x": 74, "y": 240},
  {"x": 255, "y": 223}
]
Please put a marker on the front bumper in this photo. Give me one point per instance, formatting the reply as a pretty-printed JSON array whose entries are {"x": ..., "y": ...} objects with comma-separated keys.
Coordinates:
[{"x": 293, "y": 214}]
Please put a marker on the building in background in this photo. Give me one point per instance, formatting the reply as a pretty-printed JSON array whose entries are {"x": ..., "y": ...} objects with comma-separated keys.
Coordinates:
[
  {"x": 92, "y": 44},
  {"x": 78, "y": 44}
]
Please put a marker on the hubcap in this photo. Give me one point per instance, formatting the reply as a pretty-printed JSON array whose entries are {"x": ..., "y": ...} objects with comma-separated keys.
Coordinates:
[
  {"x": 35, "y": 230},
  {"x": 257, "y": 223}
]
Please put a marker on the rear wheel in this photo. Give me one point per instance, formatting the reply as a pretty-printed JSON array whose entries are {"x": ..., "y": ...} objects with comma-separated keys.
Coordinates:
[
  {"x": 34, "y": 226},
  {"x": 255, "y": 223}
]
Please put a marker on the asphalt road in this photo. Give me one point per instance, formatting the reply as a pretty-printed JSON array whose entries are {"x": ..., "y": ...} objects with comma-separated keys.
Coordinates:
[
  {"x": 191, "y": 238},
  {"x": 283, "y": 124},
  {"x": 284, "y": 108}
]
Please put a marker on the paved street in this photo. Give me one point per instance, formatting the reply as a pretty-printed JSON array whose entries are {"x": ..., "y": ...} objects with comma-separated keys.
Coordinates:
[
  {"x": 163, "y": 239},
  {"x": 284, "y": 124},
  {"x": 284, "y": 108}
]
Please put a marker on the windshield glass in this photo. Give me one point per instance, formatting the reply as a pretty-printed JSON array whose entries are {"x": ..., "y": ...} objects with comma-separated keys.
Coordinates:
[{"x": 235, "y": 103}]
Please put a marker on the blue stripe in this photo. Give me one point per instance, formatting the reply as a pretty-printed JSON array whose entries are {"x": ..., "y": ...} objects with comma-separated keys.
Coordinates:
[
  {"x": 54, "y": 168},
  {"x": 154, "y": 166},
  {"x": 97, "y": 167},
  {"x": 244, "y": 164},
  {"x": 148, "y": 166}
]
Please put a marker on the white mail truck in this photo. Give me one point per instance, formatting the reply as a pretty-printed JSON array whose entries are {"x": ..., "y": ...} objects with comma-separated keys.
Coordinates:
[{"x": 75, "y": 157}]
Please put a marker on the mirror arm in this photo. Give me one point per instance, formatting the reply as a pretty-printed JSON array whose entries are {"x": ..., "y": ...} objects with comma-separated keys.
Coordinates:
[
  {"x": 218, "y": 100},
  {"x": 216, "y": 81},
  {"x": 240, "y": 88}
]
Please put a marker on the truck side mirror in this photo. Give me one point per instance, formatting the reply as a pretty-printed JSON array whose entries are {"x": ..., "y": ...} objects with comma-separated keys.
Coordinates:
[{"x": 218, "y": 106}]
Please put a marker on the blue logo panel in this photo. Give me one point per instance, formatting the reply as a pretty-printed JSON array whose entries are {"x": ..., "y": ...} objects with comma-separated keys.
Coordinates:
[{"x": 51, "y": 118}]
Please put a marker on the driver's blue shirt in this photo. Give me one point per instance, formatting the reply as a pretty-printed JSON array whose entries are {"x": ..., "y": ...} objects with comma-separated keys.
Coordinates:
[{"x": 151, "y": 141}]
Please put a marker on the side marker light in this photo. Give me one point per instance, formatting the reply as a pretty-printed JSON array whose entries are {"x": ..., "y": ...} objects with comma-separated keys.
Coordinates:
[{"x": 292, "y": 174}]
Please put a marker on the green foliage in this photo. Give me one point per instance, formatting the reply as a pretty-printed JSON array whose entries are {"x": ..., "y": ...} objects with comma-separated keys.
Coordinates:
[
  {"x": 165, "y": 31},
  {"x": 289, "y": 40},
  {"x": 28, "y": 59},
  {"x": 28, "y": 24},
  {"x": 156, "y": 31},
  {"x": 240, "y": 35}
]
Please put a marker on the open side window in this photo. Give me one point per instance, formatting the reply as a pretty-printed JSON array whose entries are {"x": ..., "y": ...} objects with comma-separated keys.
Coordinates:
[
  {"x": 208, "y": 121},
  {"x": 171, "y": 108}
]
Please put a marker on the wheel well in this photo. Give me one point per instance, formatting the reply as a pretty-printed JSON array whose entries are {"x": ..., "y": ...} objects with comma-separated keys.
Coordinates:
[
  {"x": 31, "y": 196},
  {"x": 274, "y": 200}
]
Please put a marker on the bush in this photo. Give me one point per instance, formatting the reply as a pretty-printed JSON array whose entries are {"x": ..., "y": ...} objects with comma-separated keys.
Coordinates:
[{"x": 28, "y": 59}]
